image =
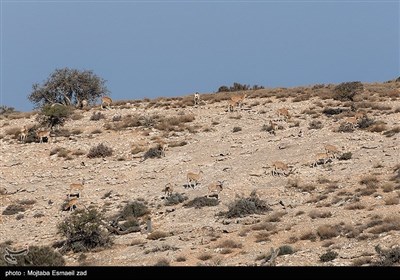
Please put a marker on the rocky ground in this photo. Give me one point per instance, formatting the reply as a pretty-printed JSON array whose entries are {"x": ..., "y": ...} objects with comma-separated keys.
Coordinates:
[{"x": 347, "y": 206}]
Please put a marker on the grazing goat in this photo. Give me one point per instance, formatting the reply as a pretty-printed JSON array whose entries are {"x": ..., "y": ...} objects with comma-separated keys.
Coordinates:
[
  {"x": 239, "y": 99},
  {"x": 332, "y": 150},
  {"x": 284, "y": 112},
  {"x": 76, "y": 187},
  {"x": 105, "y": 100},
  {"x": 193, "y": 177},
  {"x": 168, "y": 189},
  {"x": 43, "y": 134},
  {"x": 23, "y": 133},
  {"x": 71, "y": 205},
  {"x": 281, "y": 168},
  {"x": 321, "y": 158},
  {"x": 215, "y": 188}
]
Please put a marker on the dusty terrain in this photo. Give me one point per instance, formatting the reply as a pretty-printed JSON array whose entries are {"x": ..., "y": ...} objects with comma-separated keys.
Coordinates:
[{"x": 347, "y": 206}]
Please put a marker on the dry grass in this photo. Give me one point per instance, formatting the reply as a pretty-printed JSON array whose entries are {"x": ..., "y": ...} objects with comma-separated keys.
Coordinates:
[
  {"x": 385, "y": 225},
  {"x": 319, "y": 214},
  {"x": 308, "y": 235},
  {"x": 275, "y": 216},
  {"x": 180, "y": 259},
  {"x": 205, "y": 256},
  {"x": 369, "y": 180},
  {"x": 393, "y": 200},
  {"x": 354, "y": 206},
  {"x": 229, "y": 244},
  {"x": 327, "y": 232},
  {"x": 155, "y": 235}
]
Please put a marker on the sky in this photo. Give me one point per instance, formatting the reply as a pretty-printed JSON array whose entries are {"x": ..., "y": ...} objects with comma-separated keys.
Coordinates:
[{"x": 175, "y": 48}]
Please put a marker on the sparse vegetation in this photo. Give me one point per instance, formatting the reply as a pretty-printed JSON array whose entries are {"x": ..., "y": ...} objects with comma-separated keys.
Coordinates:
[
  {"x": 346, "y": 91},
  {"x": 174, "y": 199},
  {"x": 346, "y": 156},
  {"x": 328, "y": 256},
  {"x": 319, "y": 214},
  {"x": 13, "y": 209},
  {"x": 97, "y": 116},
  {"x": 100, "y": 150},
  {"x": 135, "y": 209},
  {"x": 83, "y": 232},
  {"x": 244, "y": 206},
  {"x": 387, "y": 257},
  {"x": 205, "y": 256},
  {"x": 236, "y": 129},
  {"x": 155, "y": 235},
  {"x": 162, "y": 262},
  {"x": 37, "y": 256},
  {"x": 202, "y": 201},
  {"x": 154, "y": 152},
  {"x": 327, "y": 232},
  {"x": 180, "y": 259},
  {"x": 315, "y": 125}
]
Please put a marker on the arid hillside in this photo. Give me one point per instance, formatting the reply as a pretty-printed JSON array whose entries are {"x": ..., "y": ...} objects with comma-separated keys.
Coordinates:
[{"x": 304, "y": 176}]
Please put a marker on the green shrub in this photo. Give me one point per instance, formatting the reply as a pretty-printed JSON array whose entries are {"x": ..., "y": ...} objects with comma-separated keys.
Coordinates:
[
  {"x": 387, "y": 257},
  {"x": 315, "y": 125},
  {"x": 236, "y": 129},
  {"x": 36, "y": 256},
  {"x": 97, "y": 116},
  {"x": 155, "y": 152},
  {"x": 332, "y": 111},
  {"x": 175, "y": 198},
  {"x": 83, "y": 232},
  {"x": 100, "y": 150},
  {"x": 347, "y": 91},
  {"x": 365, "y": 122},
  {"x": 285, "y": 250},
  {"x": 135, "y": 209},
  {"x": 346, "y": 127},
  {"x": 346, "y": 156},
  {"x": 244, "y": 206},
  {"x": 328, "y": 256},
  {"x": 13, "y": 209},
  {"x": 202, "y": 201}
]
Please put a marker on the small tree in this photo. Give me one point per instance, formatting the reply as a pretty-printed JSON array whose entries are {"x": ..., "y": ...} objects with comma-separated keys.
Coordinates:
[
  {"x": 347, "y": 91},
  {"x": 68, "y": 87}
]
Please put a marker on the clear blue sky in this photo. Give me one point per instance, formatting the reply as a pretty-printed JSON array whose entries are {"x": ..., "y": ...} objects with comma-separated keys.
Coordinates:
[{"x": 174, "y": 48}]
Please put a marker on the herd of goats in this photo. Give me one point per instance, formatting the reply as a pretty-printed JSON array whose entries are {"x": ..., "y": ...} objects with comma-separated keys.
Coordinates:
[{"x": 236, "y": 101}]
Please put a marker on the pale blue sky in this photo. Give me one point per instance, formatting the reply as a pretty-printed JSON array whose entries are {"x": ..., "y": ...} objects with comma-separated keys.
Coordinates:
[{"x": 174, "y": 48}]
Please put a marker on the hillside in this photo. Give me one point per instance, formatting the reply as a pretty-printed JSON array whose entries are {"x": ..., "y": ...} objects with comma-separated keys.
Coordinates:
[{"x": 349, "y": 205}]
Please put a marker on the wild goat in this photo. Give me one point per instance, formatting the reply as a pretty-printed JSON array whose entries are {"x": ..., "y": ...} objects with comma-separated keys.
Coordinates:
[
  {"x": 231, "y": 105},
  {"x": 273, "y": 126},
  {"x": 284, "y": 112},
  {"x": 239, "y": 99},
  {"x": 71, "y": 205},
  {"x": 76, "y": 187},
  {"x": 236, "y": 100},
  {"x": 84, "y": 103},
  {"x": 193, "y": 177},
  {"x": 281, "y": 168},
  {"x": 215, "y": 188},
  {"x": 321, "y": 158},
  {"x": 332, "y": 150},
  {"x": 105, "y": 100},
  {"x": 23, "y": 133},
  {"x": 168, "y": 189},
  {"x": 43, "y": 134},
  {"x": 196, "y": 99}
]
